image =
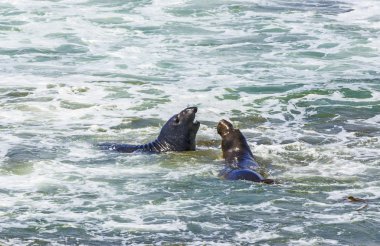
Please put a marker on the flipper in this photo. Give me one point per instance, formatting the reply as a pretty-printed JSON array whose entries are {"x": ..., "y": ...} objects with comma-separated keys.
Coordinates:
[
  {"x": 244, "y": 174},
  {"x": 126, "y": 148}
]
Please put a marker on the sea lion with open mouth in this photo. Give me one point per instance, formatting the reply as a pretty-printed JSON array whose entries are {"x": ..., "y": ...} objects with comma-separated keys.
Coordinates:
[
  {"x": 178, "y": 134},
  {"x": 240, "y": 164}
]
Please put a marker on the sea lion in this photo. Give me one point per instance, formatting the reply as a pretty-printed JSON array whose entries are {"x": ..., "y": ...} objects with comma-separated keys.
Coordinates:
[
  {"x": 240, "y": 163},
  {"x": 178, "y": 134}
]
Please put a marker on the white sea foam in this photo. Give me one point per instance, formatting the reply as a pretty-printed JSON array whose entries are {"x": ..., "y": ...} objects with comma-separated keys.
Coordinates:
[
  {"x": 256, "y": 236},
  {"x": 312, "y": 241}
]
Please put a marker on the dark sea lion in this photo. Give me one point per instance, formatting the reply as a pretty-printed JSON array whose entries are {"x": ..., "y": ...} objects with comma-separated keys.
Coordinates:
[
  {"x": 178, "y": 134},
  {"x": 240, "y": 163}
]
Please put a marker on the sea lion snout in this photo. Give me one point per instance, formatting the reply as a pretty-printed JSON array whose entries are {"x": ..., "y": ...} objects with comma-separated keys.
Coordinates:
[
  {"x": 187, "y": 116},
  {"x": 192, "y": 109},
  {"x": 189, "y": 111},
  {"x": 224, "y": 127}
]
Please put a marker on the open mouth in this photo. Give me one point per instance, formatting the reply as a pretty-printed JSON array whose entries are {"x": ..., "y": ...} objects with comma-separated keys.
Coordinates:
[
  {"x": 194, "y": 121},
  {"x": 191, "y": 112},
  {"x": 224, "y": 127}
]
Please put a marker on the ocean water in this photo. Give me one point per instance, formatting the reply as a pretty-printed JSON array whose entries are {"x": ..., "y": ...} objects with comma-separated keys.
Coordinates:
[{"x": 301, "y": 79}]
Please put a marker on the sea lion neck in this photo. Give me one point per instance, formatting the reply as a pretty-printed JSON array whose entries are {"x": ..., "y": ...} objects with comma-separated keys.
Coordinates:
[{"x": 235, "y": 147}]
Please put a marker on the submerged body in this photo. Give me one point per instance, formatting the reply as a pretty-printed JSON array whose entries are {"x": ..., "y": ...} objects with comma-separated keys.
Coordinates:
[
  {"x": 240, "y": 164},
  {"x": 178, "y": 134}
]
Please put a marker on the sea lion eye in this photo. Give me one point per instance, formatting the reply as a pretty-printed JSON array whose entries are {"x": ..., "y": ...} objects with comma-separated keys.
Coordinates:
[{"x": 176, "y": 120}]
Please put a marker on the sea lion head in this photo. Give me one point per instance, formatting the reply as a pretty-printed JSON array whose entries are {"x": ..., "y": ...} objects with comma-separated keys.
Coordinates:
[
  {"x": 180, "y": 130},
  {"x": 234, "y": 144},
  {"x": 224, "y": 128}
]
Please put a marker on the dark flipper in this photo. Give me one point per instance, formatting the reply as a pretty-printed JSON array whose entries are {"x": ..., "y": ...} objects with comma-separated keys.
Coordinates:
[
  {"x": 126, "y": 148},
  {"x": 268, "y": 181},
  {"x": 244, "y": 174}
]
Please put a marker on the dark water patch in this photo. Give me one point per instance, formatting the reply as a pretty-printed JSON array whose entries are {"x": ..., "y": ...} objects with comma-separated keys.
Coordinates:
[
  {"x": 243, "y": 49},
  {"x": 325, "y": 128},
  {"x": 359, "y": 94},
  {"x": 19, "y": 154},
  {"x": 178, "y": 28},
  {"x": 114, "y": 182},
  {"x": 118, "y": 5},
  {"x": 120, "y": 91},
  {"x": 310, "y": 184},
  {"x": 230, "y": 95},
  {"x": 24, "y": 51},
  {"x": 351, "y": 31},
  {"x": 71, "y": 49},
  {"x": 310, "y": 54},
  {"x": 319, "y": 6},
  {"x": 152, "y": 91},
  {"x": 149, "y": 30},
  {"x": 373, "y": 82},
  {"x": 354, "y": 233},
  {"x": 149, "y": 103},
  {"x": 239, "y": 9},
  {"x": 131, "y": 77},
  {"x": 264, "y": 141},
  {"x": 44, "y": 58},
  {"x": 115, "y": 88},
  {"x": 352, "y": 52},
  {"x": 9, "y": 11},
  {"x": 292, "y": 38},
  {"x": 316, "y": 140},
  {"x": 87, "y": 58},
  {"x": 340, "y": 115},
  {"x": 27, "y": 234},
  {"x": 209, "y": 88},
  {"x": 191, "y": 11},
  {"x": 248, "y": 121},
  {"x": 362, "y": 129},
  {"x": 137, "y": 123},
  {"x": 170, "y": 65},
  {"x": 14, "y": 92},
  {"x": 23, "y": 153},
  {"x": 28, "y": 99},
  {"x": 271, "y": 89},
  {"x": 339, "y": 103},
  {"x": 8, "y": 29},
  {"x": 213, "y": 42},
  {"x": 328, "y": 45},
  {"x": 156, "y": 197},
  {"x": 18, "y": 94},
  {"x": 288, "y": 141},
  {"x": 275, "y": 30},
  {"x": 276, "y": 121},
  {"x": 257, "y": 64},
  {"x": 107, "y": 21}
]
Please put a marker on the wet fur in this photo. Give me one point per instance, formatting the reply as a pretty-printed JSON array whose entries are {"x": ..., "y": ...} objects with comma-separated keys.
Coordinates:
[
  {"x": 178, "y": 134},
  {"x": 240, "y": 163}
]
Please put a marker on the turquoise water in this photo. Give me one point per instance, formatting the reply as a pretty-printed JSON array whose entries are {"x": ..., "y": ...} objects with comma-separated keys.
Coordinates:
[{"x": 300, "y": 79}]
